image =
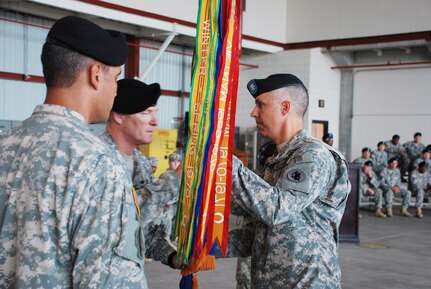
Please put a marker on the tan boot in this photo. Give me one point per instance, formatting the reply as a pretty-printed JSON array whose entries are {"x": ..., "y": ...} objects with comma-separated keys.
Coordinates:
[
  {"x": 405, "y": 213},
  {"x": 419, "y": 213},
  {"x": 389, "y": 212},
  {"x": 380, "y": 214}
]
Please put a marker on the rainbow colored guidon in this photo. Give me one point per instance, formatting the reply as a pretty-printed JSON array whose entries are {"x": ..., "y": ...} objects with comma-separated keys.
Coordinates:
[{"x": 204, "y": 203}]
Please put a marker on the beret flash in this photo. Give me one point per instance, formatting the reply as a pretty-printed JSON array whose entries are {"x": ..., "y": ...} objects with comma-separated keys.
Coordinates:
[
  {"x": 88, "y": 38},
  {"x": 134, "y": 96}
]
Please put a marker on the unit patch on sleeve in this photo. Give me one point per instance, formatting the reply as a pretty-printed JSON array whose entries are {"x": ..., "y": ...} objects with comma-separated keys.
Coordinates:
[{"x": 296, "y": 175}]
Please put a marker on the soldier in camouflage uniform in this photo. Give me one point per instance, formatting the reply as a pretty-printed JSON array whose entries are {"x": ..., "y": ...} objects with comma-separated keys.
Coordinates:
[
  {"x": 131, "y": 123},
  {"x": 395, "y": 149},
  {"x": 391, "y": 186},
  {"x": 154, "y": 162},
  {"x": 426, "y": 157},
  {"x": 366, "y": 156},
  {"x": 328, "y": 138},
  {"x": 68, "y": 219},
  {"x": 298, "y": 204},
  {"x": 170, "y": 208},
  {"x": 379, "y": 158},
  {"x": 369, "y": 187},
  {"x": 414, "y": 149},
  {"x": 421, "y": 186}
]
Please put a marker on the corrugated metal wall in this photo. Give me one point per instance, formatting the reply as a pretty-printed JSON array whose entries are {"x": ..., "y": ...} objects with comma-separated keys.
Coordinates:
[
  {"x": 20, "y": 48},
  {"x": 172, "y": 72},
  {"x": 21, "y": 41}
]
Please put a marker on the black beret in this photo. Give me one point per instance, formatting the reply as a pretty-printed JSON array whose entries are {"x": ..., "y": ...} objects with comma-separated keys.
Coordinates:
[
  {"x": 258, "y": 86},
  {"x": 393, "y": 159},
  {"x": 368, "y": 163},
  {"x": 86, "y": 37},
  {"x": 417, "y": 134},
  {"x": 327, "y": 135},
  {"x": 134, "y": 96},
  {"x": 366, "y": 149},
  {"x": 380, "y": 143},
  {"x": 426, "y": 150},
  {"x": 423, "y": 164}
]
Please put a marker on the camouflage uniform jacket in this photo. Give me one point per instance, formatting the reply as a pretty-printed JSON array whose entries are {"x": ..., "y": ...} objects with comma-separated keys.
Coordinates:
[
  {"x": 421, "y": 181},
  {"x": 393, "y": 150},
  {"x": 380, "y": 160},
  {"x": 366, "y": 182},
  {"x": 413, "y": 150},
  {"x": 419, "y": 160},
  {"x": 67, "y": 218},
  {"x": 361, "y": 160},
  {"x": 153, "y": 194},
  {"x": 391, "y": 178},
  {"x": 298, "y": 207}
]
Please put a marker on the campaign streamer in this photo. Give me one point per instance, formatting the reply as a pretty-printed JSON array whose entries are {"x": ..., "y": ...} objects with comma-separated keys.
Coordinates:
[{"x": 204, "y": 202}]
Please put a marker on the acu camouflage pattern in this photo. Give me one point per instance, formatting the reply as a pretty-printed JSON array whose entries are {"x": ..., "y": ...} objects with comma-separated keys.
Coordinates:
[
  {"x": 361, "y": 160},
  {"x": 419, "y": 160},
  {"x": 67, "y": 216},
  {"x": 297, "y": 209},
  {"x": 390, "y": 179},
  {"x": 413, "y": 150},
  {"x": 393, "y": 150},
  {"x": 169, "y": 210},
  {"x": 153, "y": 194},
  {"x": 380, "y": 161},
  {"x": 367, "y": 182},
  {"x": 421, "y": 186}
]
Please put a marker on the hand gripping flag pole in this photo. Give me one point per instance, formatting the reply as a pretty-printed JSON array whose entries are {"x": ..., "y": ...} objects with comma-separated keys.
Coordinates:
[{"x": 204, "y": 203}]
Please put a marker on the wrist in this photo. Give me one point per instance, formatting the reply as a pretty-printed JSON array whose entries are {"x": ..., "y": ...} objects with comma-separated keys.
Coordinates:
[{"x": 171, "y": 260}]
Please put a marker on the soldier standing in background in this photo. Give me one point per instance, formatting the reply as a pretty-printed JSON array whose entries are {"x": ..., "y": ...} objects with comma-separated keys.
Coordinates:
[
  {"x": 328, "y": 138},
  {"x": 170, "y": 208}
]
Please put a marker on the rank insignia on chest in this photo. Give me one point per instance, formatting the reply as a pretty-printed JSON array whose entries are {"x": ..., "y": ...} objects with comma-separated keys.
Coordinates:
[{"x": 296, "y": 175}]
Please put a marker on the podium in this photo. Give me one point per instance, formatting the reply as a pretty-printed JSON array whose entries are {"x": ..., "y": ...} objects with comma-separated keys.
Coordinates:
[{"x": 349, "y": 226}]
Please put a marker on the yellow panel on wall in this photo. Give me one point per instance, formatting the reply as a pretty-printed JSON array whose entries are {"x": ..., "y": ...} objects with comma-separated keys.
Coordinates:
[{"x": 164, "y": 143}]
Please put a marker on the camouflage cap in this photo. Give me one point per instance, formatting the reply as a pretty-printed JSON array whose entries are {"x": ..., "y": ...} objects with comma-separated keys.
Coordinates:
[{"x": 175, "y": 157}]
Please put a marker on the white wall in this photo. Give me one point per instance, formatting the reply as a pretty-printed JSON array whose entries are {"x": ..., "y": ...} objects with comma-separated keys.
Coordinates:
[
  {"x": 324, "y": 84},
  {"x": 18, "y": 98},
  {"x": 337, "y": 19},
  {"x": 388, "y": 102},
  {"x": 295, "y": 61},
  {"x": 255, "y": 17}
]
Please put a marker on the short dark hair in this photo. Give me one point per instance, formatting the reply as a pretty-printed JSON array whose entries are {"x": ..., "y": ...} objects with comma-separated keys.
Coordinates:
[
  {"x": 61, "y": 66},
  {"x": 299, "y": 95}
]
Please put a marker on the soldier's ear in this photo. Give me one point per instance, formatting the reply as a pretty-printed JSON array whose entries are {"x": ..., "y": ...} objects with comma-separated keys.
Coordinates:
[{"x": 285, "y": 107}]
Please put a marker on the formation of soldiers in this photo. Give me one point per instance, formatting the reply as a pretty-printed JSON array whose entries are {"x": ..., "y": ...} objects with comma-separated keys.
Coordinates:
[{"x": 384, "y": 169}]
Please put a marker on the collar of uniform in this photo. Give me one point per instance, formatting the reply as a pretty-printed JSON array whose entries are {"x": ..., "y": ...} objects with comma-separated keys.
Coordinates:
[
  {"x": 284, "y": 148},
  {"x": 60, "y": 110}
]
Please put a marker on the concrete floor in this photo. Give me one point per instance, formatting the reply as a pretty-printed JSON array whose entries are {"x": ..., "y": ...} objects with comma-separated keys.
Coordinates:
[{"x": 393, "y": 253}]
